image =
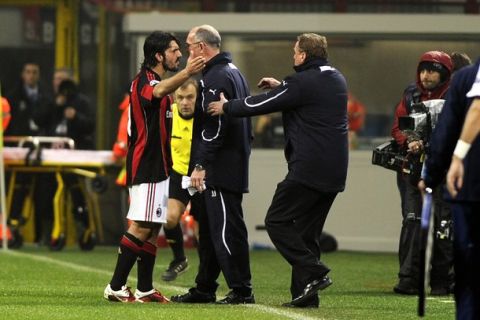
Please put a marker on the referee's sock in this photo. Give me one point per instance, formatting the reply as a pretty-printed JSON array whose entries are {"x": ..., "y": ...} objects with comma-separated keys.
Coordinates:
[
  {"x": 175, "y": 241},
  {"x": 145, "y": 265},
  {"x": 127, "y": 255}
]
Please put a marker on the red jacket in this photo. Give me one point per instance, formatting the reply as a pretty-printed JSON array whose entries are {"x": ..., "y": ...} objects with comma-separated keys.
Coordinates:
[{"x": 437, "y": 93}]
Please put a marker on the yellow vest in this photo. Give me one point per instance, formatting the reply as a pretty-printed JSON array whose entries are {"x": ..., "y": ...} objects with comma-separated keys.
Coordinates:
[{"x": 181, "y": 141}]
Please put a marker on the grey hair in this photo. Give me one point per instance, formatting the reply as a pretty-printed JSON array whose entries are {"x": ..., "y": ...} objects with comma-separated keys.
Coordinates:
[{"x": 208, "y": 34}]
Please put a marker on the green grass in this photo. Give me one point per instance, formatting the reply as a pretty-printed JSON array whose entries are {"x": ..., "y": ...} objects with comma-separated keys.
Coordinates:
[{"x": 38, "y": 284}]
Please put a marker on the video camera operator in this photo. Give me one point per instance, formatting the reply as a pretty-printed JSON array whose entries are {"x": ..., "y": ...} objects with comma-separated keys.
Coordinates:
[{"x": 432, "y": 81}]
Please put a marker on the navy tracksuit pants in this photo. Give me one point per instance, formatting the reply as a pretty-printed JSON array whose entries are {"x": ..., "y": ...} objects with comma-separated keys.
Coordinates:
[
  {"x": 466, "y": 221},
  {"x": 223, "y": 243}
]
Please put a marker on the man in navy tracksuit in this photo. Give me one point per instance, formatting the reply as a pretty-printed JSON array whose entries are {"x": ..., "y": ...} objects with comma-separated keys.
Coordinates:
[
  {"x": 220, "y": 154},
  {"x": 465, "y": 204},
  {"x": 313, "y": 102}
]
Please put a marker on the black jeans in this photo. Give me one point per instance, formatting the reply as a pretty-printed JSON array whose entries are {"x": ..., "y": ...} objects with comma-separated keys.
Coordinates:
[
  {"x": 409, "y": 245},
  {"x": 294, "y": 221}
]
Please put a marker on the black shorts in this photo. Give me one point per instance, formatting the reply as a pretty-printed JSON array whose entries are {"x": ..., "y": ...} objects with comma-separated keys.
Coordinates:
[
  {"x": 175, "y": 190},
  {"x": 197, "y": 205}
]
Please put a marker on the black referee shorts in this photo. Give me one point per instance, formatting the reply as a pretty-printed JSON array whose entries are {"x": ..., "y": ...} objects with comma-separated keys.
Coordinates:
[{"x": 175, "y": 190}]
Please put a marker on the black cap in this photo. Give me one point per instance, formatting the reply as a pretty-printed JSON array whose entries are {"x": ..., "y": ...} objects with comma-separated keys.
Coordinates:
[{"x": 434, "y": 66}]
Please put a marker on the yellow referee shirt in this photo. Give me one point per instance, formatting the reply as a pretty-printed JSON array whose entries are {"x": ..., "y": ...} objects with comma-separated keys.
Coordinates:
[{"x": 181, "y": 142}]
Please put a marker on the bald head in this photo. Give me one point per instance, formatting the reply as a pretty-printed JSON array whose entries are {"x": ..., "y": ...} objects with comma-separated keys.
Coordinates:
[
  {"x": 204, "y": 41},
  {"x": 59, "y": 75}
]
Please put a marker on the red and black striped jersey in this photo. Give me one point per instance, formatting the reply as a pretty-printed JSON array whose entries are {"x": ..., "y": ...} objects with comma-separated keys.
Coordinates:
[{"x": 149, "y": 127}]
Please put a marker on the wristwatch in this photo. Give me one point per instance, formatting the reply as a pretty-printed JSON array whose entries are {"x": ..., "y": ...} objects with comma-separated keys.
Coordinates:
[{"x": 199, "y": 167}]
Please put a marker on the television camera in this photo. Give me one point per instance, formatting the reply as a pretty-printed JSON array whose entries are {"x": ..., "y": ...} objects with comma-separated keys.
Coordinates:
[{"x": 418, "y": 125}]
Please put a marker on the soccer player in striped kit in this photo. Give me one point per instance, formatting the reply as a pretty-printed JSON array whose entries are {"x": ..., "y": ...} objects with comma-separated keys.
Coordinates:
[{"x": 148, "y": 164}]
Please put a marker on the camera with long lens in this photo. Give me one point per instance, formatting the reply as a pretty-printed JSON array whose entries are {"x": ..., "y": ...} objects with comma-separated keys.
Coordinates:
[{"x": 418, "y": 125}]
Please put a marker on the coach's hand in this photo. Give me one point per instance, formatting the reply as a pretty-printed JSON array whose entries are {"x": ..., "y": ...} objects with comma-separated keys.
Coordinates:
[
  {"x": 215, "y": 108},
  {"x": 268, "y": 83},
  {"x": 197, "y": 179}
]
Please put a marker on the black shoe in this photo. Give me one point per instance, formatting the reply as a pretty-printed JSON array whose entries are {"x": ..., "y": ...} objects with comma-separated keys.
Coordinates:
[
  {"x": 174, "y": 269},
  {"x": 311, "y": 289},
  {"x": 401, "y": 289},
  {"x": 307, "y": 305},
  {"x": 234, "y": 298},
  {"x": 194, "y": 296},
  {"x": 16, "y": 242}
]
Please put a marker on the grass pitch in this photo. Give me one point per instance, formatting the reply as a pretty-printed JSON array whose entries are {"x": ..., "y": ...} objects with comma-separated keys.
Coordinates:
[{"x": 39, "y": 284}]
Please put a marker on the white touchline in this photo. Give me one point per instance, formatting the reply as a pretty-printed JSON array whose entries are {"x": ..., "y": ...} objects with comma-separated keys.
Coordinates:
[
  {"x": 77, "y": 267},
  {"x": 281, "y": 312},
  {"x": 442, "y": 299}
]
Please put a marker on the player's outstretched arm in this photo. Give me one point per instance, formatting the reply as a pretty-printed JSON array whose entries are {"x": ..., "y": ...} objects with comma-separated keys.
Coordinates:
[{"x": 167, "y": 86}]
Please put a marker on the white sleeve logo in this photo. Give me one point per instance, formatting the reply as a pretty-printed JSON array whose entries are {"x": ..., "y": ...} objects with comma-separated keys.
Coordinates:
[{"x": 153, "y": 83}]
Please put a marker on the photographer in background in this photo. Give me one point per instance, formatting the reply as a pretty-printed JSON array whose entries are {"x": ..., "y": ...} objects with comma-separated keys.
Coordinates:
[
  {"x": 69, "y": 114},
  {"x": 72, "y": 116},
  {"x": 432, "y": 81}
]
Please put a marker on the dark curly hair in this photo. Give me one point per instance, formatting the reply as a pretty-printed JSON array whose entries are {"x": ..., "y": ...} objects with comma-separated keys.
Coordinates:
[{"x": 156, "y": 42}]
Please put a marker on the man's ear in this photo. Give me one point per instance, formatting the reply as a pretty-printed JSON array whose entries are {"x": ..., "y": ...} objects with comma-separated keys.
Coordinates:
[
  {"x": 304, "y": 57},
  {"x": 159, "y": 57}
]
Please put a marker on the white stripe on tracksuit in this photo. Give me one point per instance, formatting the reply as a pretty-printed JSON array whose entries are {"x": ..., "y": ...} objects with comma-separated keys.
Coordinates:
[
  {"x": 263, "y": 102},
  {"x": 322, "y": 68},
  {"x": 224, "y": 224},
  {"x": 218, "y": 131}
]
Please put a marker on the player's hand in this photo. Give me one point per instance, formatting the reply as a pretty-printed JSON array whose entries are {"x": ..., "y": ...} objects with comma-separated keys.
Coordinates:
[
  {"x": 455, "y": 176},
  {"x": 215, "y": 108},
  {"x": 195, "y": 65},
  {"x": 268, "y": 83}
]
